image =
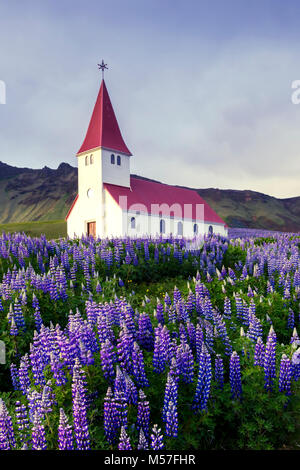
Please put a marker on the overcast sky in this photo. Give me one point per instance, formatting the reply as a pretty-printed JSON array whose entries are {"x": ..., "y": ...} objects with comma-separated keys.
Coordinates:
[{"x": 201, "y": 89}]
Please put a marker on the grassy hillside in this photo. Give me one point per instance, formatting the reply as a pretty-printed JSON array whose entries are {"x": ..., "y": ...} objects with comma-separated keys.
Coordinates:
[
  {"x": 52, "y": 229},
  {"x": 36, "y": 195},
  {"x": 254, "y": 210}
]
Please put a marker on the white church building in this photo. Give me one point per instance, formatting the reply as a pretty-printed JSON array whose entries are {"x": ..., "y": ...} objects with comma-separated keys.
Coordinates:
[{"x": 112, "y": 203}]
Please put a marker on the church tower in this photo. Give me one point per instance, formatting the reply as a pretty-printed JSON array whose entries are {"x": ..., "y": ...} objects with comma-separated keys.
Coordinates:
[{"x": 102, "y": 158}]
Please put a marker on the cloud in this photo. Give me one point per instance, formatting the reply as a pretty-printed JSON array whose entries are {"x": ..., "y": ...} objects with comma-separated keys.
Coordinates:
[{"x": 202, "y": 94}]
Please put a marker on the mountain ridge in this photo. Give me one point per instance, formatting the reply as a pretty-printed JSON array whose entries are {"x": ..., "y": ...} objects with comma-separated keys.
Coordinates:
[{"x": 46, "y": 194}]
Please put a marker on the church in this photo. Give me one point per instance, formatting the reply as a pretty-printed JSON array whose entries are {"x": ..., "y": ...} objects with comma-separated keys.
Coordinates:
[{"x": 112, "y": 203}]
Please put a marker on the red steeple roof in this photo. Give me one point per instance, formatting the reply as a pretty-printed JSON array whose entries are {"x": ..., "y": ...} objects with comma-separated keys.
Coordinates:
[{"x": 103, "y": 130}]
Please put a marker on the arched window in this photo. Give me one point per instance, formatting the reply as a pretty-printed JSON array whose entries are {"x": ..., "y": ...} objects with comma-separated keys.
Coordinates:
[
  {"x": 195, "y": 228},
  {"x": 210, "y": 230},
  {"x": 91, "y": 159},
  {"x": 112, "y": 159},
  {"x": 132, "y": 222},
  {"x": 162, "y": 226},
  {"x": 119, "y": 160},
  {"x": 86, "y": 160},
  {"x": 180, "y": 228}
]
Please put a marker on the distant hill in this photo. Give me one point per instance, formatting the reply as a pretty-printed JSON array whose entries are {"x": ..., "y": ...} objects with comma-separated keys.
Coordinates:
[
  {"x": 46, "y": 194},
  {"x": 32, "y": 195}
]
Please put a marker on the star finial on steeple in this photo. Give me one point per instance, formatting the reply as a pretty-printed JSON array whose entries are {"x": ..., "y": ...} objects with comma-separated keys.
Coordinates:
[{"x": 102, "y": 67}]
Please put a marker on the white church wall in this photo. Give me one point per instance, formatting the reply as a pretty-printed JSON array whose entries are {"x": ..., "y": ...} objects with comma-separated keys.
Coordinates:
[
  {"x": 112, "y": 216},
  {"x": 88, "y": 207},
  {"x": 218, "y": 229},
  {"x": 150, "y": 225},
  {"x": 75, "y": 223},
  {"x": 114, "y": 173}
]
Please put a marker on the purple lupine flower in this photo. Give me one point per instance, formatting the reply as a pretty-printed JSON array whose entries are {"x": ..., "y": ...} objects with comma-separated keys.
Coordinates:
[
  {"x": 143, "y": 443},
  {"x": 13, "y": 327},
  {"x": 259, "y": 353},
  {"x": 160, "y": 312},
  {"x": 145, "y": 332},
  {"x": 121, "y": 410},
  {"x": 235, "y": 376},
  {"x": 124, "y": 443},
  {"x": 239, "y": 308},
  {"x": 185, "y": 361},
  {"x": 14, "y": 377},
  {"x": 57, "y": 370},
  {"x": 18, "y": 315},
  {"x": 270, "y": 363},
  {"x": 98, "y": 288},
  {"x": 291, "y": 320},
  {"x": 285, "y": 375},
  {"x": 130, "y": 391},
  {"x": 22, "y": 422},
  {"x": 7, "y": 437},
  {"x": 37, "y": 319},
  {"x": 143, "y": 414},
  {"x": 156, "y": 439},
  {"x": 47, "y": 398},
  {"x": 38, "y": 435},
  {"x": 65, "y": 432},
  {"x": 159, "y": 355},
  {"x": 219, "y": 372},
  {"x": 124, "y": 347},
  {"x": 227, "y": 308},
  {"x": 204, "y": 381},
  {"x": 295, "y": 337},
  {"x": 171, "y": 394},
  {"x": 108, "y": 359},
  {"x": 171, "y": 420},
  {"x": 24, "y": 374},
  {"x": 199, "y": 339},
  {"x": 255, "y": 328},
  {"x": 120, "y": 381},
  {"x": 80, "y": 421},
  {"x": 109, "y": 417},
  {"x": 272, "y": 334},
  {"x": 138, "y": 367},
  {"x": 296, "y": 365}
]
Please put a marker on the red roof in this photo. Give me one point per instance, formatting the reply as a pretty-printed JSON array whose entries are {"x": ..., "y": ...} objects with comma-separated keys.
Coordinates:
[
  {"x": 70, "y": 210},
  {"x": 103, "y": 130},
  {"x": 148, "y": 196}
]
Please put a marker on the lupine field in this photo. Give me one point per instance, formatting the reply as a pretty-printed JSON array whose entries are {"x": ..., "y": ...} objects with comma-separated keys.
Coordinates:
[{"x": 150, "y": 344}]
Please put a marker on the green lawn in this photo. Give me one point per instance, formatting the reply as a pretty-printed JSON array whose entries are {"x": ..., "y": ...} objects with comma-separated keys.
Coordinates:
[{"x": 52, "y": 228}]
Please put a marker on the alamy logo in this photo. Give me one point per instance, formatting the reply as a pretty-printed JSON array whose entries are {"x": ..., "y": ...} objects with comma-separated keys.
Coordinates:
[
  {"x": 2, "y": 353},
  {"x": 2, "y": 92}
]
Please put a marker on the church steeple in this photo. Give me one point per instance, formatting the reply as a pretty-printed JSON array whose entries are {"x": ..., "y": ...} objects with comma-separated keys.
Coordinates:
[{"x": 103, "y": 131}]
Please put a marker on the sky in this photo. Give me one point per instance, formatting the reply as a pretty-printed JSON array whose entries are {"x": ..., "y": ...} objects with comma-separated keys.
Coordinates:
[{"x": 201, "y": 89}]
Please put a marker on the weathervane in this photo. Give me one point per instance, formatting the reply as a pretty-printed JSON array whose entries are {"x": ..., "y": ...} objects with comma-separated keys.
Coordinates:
[{"x": 102, "y": 67}]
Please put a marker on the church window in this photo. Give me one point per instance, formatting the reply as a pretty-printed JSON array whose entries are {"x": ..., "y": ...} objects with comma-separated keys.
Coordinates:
[
  {"x": 180, "y": 228},
  {"x": 91, "y": 159},
  {"x": 86, "y": 160},
  {"x": 118, "y": 160},
  {"x": 132, "y": 222},
  {"x": 210, "y": 230},
  {"x": 90, "y": 193},
  {"x": 112, "y": 159},
  {"x": 195, "y": 228},
  {"x": 162, "y": 226}
]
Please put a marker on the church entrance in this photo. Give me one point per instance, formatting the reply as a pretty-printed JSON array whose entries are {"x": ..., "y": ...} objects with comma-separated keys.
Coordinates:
[{"x": 91, "y": 229}]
